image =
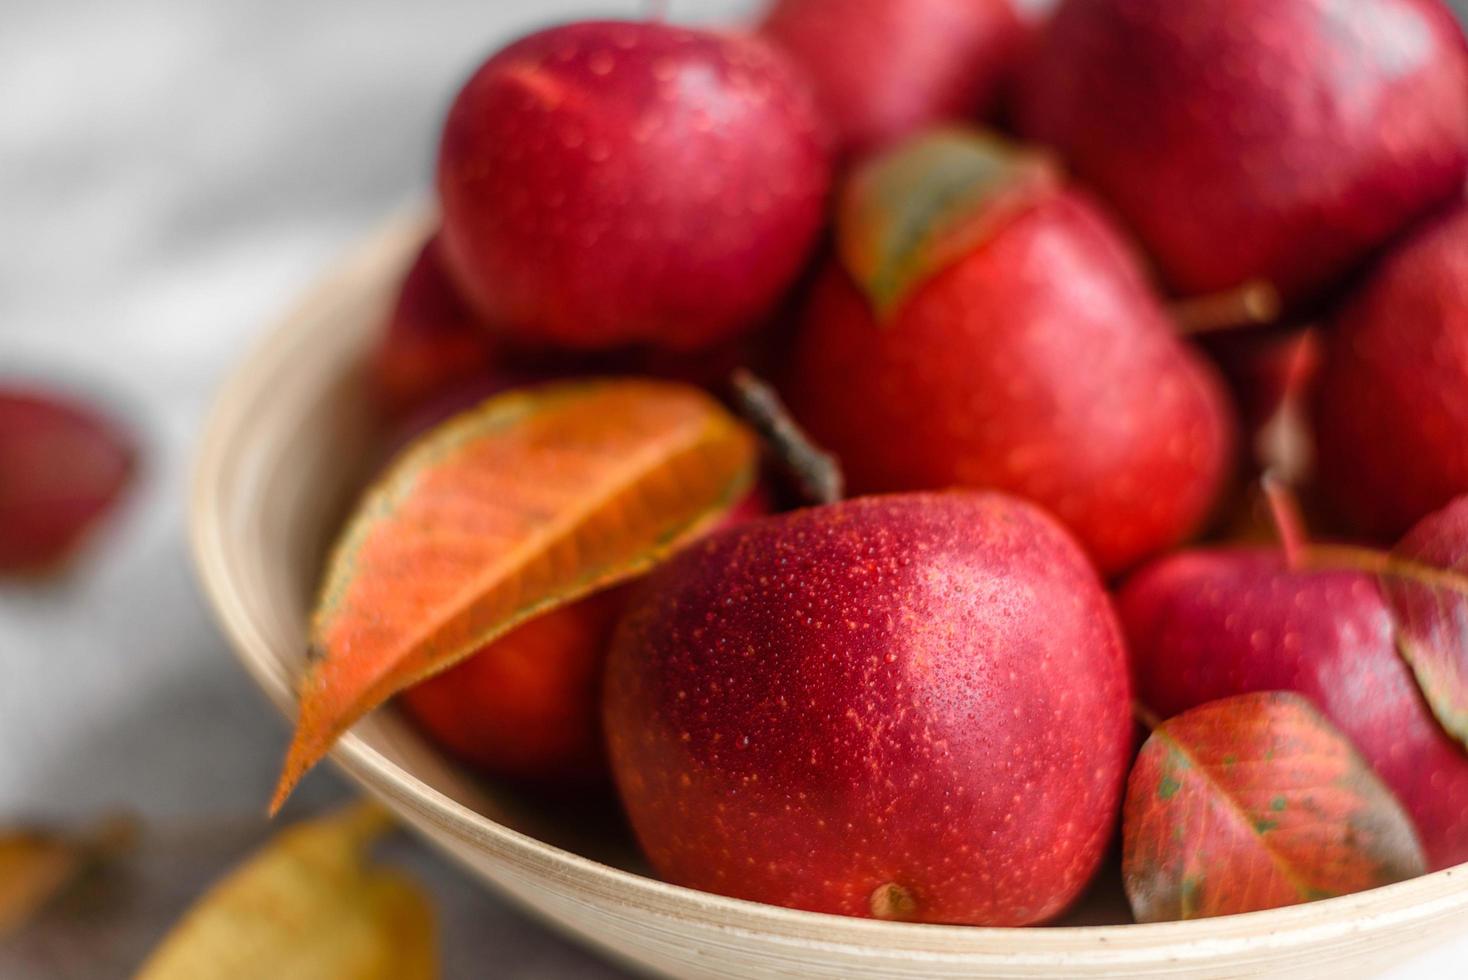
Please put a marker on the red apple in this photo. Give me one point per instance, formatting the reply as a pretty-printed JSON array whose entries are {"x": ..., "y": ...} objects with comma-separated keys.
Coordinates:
[
  {"x": 886, "y": 68},
  {"x": 1036, "y": 361},
  {"x": 1391, "y": 413},
  {"x": 63, "y": 468},
  {"x": 527, "y": 705},
  {"x": 617, "y": 183},
  {"x": 911, "y": 706},
  {"x": 432, "y": 343},
  {"x": 1243, "y": 140},
  {"x": 1205, "y": 625}
]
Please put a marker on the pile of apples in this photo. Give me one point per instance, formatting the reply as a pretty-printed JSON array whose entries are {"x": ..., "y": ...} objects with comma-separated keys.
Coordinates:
[{"x": 994, "y": 265}]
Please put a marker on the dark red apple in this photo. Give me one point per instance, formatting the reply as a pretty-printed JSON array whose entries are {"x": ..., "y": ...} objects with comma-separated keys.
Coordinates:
[
  {"x": 885, "y": 68},
  {"x": 63, "y": 468},
  {"x": 1205, "y": 625},
  {"x": 527, "y": 705},
  {"x": 911, "y": 706},
  {"x": 610, "y": 183},
  {"x": 1244, "y": 140},
  {"x": 1391, "y": 413},
  {"x": 432, "y": 343},
  {"x": 1037, "y": 361}
]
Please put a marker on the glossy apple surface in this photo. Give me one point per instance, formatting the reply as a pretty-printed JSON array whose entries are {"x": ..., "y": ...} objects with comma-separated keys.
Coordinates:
[
  {"x": 912, "y": 706},
  {"x": 1391, "y": 410},
  {"x": 885, "y": 68},
  {"x": 1041, "y": 364},
  {"x": 610, "y": 183},
  {"x": 1275, "y": 140}
]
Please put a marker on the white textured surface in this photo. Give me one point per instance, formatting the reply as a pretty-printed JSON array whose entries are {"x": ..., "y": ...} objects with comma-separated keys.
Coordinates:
[{"x": 172, "y": 172}]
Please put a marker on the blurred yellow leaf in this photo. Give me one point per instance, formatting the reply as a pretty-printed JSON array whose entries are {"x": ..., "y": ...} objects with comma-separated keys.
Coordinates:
[
  {"x": 307, "y": 906},
  {"x": 37, "y": 865}
]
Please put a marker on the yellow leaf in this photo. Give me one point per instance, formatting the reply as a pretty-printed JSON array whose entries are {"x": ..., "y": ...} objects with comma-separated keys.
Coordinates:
[
  {"x": 37, "y": 865},
  {"x": 530, "y": 501},
  {"x": 308, "y": 906}
]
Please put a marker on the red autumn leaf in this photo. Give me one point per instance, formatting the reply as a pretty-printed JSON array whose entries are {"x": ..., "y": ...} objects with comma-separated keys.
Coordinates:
[
  {"x": 63, "y": 467},
  {"x": 1256, "y": 802},
  {"x": 1425, "y": 581}
]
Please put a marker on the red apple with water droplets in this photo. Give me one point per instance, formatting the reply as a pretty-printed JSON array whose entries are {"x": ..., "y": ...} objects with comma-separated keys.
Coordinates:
[
  {"x": 1256, "y": 140},
  {"x": 1391, "y": 412},
  {"x": 63, "y": 468},
  {"x": 885, "y": 68},
  {"x": 1212, "y": 624},
  {"x": 1031, "y": 357},
  {"x": 606, "y": 184},
  {"x": 913, "y": 706}
]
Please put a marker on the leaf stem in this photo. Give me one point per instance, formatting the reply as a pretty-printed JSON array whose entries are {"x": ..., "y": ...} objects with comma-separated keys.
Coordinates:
[{"x": 1387, "y": 565}]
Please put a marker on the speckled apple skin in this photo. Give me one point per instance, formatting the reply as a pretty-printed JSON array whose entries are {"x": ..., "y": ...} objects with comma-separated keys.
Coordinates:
[
  {"x": 1281, "y": 140},
  {"x": 885, "y": 68},
  {"x": 1391, "y": 414},
  {"x": 1041, "y": 364},
  {"x": 1204, "y": 625},
  {"x": 926, "y": 691},
  {"x": 616, "y": 183}
]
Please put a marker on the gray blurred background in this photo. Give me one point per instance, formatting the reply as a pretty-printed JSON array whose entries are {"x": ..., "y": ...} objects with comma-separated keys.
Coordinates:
[{"x": 172, "y": 173}]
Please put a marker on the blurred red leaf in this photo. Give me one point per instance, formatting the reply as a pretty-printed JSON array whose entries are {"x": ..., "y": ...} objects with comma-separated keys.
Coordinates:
[
  {"x": 62, "y": 468},
  {"x": 1255, "y": 802}
]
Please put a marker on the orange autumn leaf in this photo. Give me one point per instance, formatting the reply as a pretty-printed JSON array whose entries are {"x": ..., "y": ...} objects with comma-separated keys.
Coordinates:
[
  {"x": 1256, "y": 802},
  {"x": 531, "y": 500}
]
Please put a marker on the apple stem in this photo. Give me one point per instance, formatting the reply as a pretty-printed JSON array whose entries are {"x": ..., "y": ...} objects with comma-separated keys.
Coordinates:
[
  {"x": 655, "y": 10},
  {"x": 816, "y": 472},
  {"x": 1253, "y": 304},
  {"x": 1284, "y": 511},
  {"x": 1145, "y": 716}
]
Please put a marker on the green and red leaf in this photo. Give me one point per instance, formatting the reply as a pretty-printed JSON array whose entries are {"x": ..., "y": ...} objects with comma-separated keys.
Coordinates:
[
  {"x": 532, "y": 500},
  {"x": 1425, "y": 581},
  {"x": 1256, "y": 802},
  {"x": 912, "y": 211}
]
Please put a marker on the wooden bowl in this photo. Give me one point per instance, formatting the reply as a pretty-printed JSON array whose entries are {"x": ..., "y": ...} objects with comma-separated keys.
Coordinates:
[{"x": 282, "y": 454}]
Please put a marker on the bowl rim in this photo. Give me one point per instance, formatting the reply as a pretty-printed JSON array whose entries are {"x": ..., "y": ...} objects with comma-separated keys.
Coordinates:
[{"x": 384, "y": 253}]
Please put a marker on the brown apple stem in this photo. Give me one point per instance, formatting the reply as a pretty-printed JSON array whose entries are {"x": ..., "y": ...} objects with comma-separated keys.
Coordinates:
[
  {"x": 1253, "y": 304},
  {"x": 1284, "y": 512},
  {"x": 816, "y": 473},
  {"x": 1145, "y": 716},
  {"x": 655, "y": 10}
]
